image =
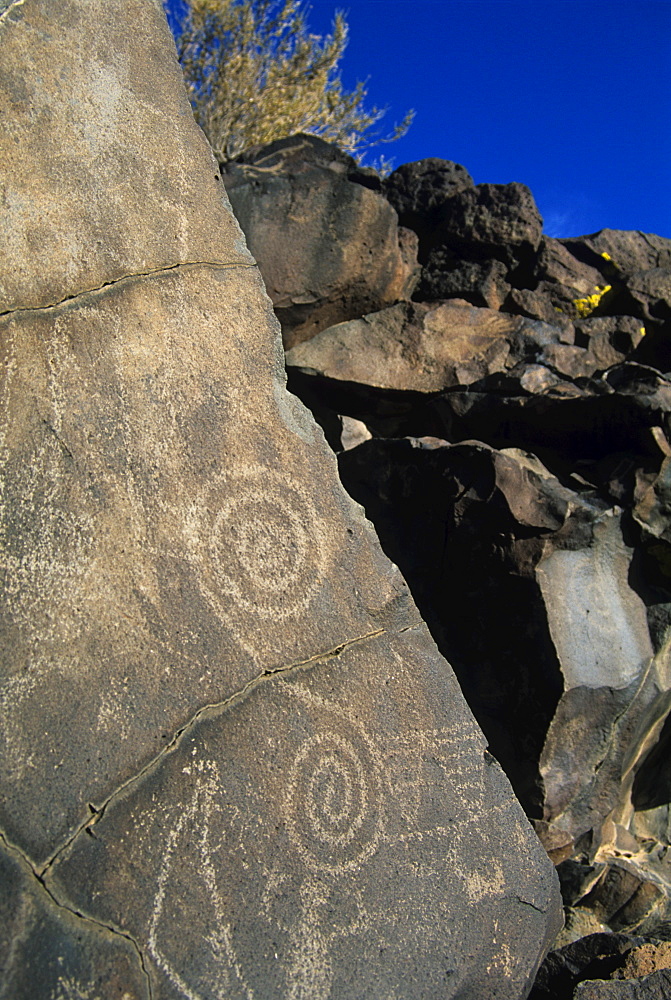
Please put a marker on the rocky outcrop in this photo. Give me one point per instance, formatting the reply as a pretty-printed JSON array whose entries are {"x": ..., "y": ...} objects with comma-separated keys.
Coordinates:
[
  {"x": 507, "y": 432},
  {"x": 428, "y": 347},
  {"x": 613, "y": 960},
  {"x": 328, "y": 246},
  {"x": 233, "y": 762}
]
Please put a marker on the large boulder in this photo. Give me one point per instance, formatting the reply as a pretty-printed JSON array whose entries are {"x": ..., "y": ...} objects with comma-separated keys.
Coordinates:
[
  {"x": 427, "y": 347},
  {"x": 232, "y": 761},
  {"x": 328, "y": 247},
  {"x": 420, "y": 191}
]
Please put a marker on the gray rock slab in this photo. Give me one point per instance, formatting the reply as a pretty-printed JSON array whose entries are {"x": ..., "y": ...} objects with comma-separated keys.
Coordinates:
[
  {"x": 162, "y": 543},
  {"x": 49, "y": 951},
  {"x": 231, "y": 761},
  {"x": 323, "y": 837},
  {"x": 122, "y": 145}
]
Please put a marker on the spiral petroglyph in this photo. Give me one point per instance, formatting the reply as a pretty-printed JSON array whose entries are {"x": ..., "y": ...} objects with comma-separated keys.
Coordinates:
[
  {"x": 335, "y": 806},
  {"x": 259, "y": 534}
]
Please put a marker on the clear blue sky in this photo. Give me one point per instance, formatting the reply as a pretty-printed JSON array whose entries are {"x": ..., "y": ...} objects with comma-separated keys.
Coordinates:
[{"x": 571, "y": 97}]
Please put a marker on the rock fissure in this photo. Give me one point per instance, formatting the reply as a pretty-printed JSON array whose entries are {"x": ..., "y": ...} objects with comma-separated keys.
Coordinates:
[
  {"x": 527, "y": 902},
  {"x": 13, "y": 850},
  {"x": 97, "y": 812},
  {"x": 115, "y": 282}
]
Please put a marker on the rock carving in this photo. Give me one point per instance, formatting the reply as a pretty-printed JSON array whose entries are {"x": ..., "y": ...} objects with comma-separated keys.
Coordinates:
[{"x": 233, "y": 763}]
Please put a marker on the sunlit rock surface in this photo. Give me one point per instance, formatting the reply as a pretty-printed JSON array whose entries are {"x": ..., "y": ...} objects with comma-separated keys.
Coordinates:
[{"x": 233, "y": 762}]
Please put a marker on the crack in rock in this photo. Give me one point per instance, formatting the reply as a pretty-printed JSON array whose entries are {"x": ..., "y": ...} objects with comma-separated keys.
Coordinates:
[
  {"x": 97, "y": 812},
  {"x": 12, "y": 850},
  {"x": 150, "y": 273}
]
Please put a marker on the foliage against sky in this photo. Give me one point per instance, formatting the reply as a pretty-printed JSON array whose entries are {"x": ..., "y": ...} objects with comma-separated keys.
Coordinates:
[{"x": 254, "y": 74}]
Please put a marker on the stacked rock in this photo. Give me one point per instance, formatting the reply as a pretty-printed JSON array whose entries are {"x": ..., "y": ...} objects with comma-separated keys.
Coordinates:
[{"x": 506, "y": 425}]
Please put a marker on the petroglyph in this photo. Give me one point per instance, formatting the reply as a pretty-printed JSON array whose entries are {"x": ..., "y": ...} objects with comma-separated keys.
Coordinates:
[
  {"x": 259, "y": 534},
  {"x": 340, "y": 791},
  {"x": 232, "y": 788},
  {"x": 218, "y": 965}
]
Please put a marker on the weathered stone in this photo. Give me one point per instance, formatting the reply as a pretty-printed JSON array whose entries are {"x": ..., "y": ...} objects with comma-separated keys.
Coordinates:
[
  {"x": 654, "y": 987},
  {"x": 618, "y": 251},
  {"x": 646, "y": 295},
  {"x": 328, "y": 248},
  {"x": 241, "y": 827},
  {"x": 631, "y": 895},
  {"x": 446, "y": 275},
  {"x": 645, "y": 959},
  {"x": 609, "y": 340},
  {"x": 610, "y": 424},
  {"x": 595, "y": 956},
  {"x": 50, "y": 951},
  {"x": 418, "y": 191},
  {"x": 424, "y": 348},
  {"x": 51, "y": 252},
  {"x": 537, "y": 305},
  {"x": 558, "y": 270},
  {"x": 567, "y": 647},
  {"x": 232, "y": 761},
  {"x": 501, "y": 220}
]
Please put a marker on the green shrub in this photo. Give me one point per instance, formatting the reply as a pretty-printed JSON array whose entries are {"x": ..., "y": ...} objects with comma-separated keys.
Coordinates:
[{"x": 254, "y": 74}]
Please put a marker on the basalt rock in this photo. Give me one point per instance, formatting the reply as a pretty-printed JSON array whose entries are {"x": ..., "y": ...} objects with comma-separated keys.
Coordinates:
[
  {"x": 233, "y": 762},
  {"x": 420, "y": 193},
  {"x": 329, "y": 248},
  {"x": 552, "y": 632},
  {"x": 446, "y": 275},
  {"x": 493, "y": 220},
  {"x": 654, "y": 987},
  {"x": 607, "y": 958},
  {"x": 426, "y": 348}
]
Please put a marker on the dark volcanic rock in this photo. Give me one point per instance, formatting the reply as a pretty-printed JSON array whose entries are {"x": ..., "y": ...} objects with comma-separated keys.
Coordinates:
[
  {"x": 232, "y": 761},
  {"x": 613, "y": 960},
  {"x": 618, "y": 251},
  {"x": 447, "y": 275},
  {"x": 524, "y": 583},
  {"x": 419, "y": 192},
  {"x": 654, "y": 987},
  {"x": 596, "y": 956},
  {"x": 328, "y": 246},
  {"x": 426, "y": 348},
  {"x": 608, "y": 426},
  {"x": 497, "y": 220}
]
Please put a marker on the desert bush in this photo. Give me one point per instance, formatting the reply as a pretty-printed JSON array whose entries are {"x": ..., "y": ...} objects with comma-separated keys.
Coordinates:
[{"x": 255, "y": 74}]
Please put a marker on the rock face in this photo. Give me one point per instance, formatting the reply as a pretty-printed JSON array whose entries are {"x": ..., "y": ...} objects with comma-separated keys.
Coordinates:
[
  {"x": 428, "y": 347},
  {"x": 329, "y": 248},
  {"x": 507, "y": 431},
  {"x": 233, "y": 761}
]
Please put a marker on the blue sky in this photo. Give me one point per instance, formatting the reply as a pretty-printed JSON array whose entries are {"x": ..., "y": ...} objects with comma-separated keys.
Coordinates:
[{"x": 571, "y": 97}]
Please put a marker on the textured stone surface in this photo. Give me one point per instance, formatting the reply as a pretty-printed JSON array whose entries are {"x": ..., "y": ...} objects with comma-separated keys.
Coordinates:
[
  {"x": 245, "y": 827},
  {"x": 420, "y": 191},
  {"x": 126, "y": 118},
  {"x": 423, "y": 348},
  {"x": 328, "y": 247},
  {"x": 555, "y": 632},
  {"x": 497, "y": 219},
  {"x": 231, "y": 760},
  {"x": 654, "y": 987},
  {"x": 49, "y": 951}
]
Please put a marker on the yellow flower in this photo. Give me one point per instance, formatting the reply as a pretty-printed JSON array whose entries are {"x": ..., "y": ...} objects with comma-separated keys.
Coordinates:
[{"x": 589, "y": 303}]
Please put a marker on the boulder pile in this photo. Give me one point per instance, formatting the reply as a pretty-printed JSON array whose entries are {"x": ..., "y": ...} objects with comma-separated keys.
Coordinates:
[
  {"x": 233, "y": 763},
  {"x": 500, "y": 405}
]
